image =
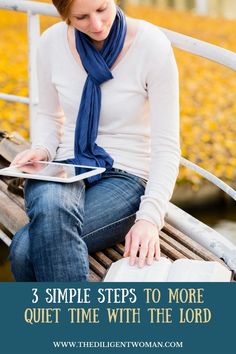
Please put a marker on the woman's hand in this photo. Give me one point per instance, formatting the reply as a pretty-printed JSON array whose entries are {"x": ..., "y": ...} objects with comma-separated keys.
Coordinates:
[
  {"x": 25, "y": 156},
  {"x": 143, "y": 237}
]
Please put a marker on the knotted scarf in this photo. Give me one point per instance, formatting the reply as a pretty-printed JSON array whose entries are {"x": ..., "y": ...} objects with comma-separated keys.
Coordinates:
[{"x": 97, "y": 65}]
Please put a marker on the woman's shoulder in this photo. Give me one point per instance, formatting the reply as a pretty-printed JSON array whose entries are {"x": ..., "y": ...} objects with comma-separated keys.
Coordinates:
[
  {"x": 53, "y": 33},
  {"x": 153, "y": 36},
  {"x": 148, "y": 38},
  {"x": 151, "y": 44}
]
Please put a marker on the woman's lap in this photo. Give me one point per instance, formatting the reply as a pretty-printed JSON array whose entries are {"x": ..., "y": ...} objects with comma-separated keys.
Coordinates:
[
  {"x": 110, "y": 208},
  {"x": 106, "y": 210}
]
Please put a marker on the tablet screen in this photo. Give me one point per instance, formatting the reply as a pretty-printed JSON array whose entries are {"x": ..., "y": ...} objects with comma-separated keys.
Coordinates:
[{"x": 51, "y": 171}]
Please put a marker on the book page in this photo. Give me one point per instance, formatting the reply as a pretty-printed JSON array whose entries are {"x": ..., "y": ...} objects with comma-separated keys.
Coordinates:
[
  {"x": 189, "y": 270},
  {"x": 122, "y": 271}
]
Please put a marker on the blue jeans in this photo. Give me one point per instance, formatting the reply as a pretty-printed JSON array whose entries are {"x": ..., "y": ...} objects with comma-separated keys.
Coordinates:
[{"x": 68, "y": 221}]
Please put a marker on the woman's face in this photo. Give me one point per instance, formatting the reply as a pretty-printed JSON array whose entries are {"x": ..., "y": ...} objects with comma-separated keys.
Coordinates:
[{"x": 93, "y": 17}]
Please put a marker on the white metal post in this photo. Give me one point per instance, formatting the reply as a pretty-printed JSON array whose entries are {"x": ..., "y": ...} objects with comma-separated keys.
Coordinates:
[
  {"x": 201, "y": 7},
  {"x": 33, "y": 36}
]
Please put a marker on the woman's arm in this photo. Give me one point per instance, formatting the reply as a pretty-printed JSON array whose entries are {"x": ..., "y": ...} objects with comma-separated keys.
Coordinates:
[
  {"x": 47, "y": 127},
  {"x": 163, "y": 93}
]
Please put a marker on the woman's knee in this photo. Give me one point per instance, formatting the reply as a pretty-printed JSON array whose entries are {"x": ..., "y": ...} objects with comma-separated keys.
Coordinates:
[{"x": 51, "y": 199}]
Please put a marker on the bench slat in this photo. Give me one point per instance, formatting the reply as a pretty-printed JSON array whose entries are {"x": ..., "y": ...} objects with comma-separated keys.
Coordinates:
[
  {"x": 112, "y": 254},
  {"x": 11, "y": 216},
  {"x": 9, "y": 148},
  {"x": 15, "y": 198},
  {"x": 120, "y": 248},
  {"x": 170, "y": 252},
  {"x": 97, "y": 267},
  {"x": 103, "y": 259},
  {"x": 190, "y": 243},
  {"x": 178, "y": 247},
  {"x": 93, "y": 276}
]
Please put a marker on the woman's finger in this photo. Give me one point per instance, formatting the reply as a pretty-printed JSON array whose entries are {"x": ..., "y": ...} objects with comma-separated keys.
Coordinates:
[
  {"x": 151, "y": 252},
  {"x": 20, "y": 157},
  {"x": 24, "y": 159},
  {"x": 157, "y": 251},
  {"x": 29, "y": 155},
  {"x": 133, "y": 250},
  {"x": 127, "y": 244},
  {"x": 143, "y": 251}
]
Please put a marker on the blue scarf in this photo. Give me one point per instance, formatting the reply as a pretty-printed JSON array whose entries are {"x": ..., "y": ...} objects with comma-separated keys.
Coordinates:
[{"x": 97, "y": 64}]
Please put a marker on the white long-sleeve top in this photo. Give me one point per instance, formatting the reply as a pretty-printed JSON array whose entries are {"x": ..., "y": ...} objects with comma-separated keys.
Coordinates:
[{"x": 139, "y": 120}]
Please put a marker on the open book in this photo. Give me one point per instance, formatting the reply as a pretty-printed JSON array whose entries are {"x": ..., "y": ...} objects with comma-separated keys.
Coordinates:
[{"x": 182, "y": 270}]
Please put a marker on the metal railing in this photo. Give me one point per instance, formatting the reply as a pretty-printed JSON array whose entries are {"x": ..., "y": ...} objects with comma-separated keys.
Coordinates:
[
  {"x": 33, "y": 9},
  {"x": 191, "y": 45}
]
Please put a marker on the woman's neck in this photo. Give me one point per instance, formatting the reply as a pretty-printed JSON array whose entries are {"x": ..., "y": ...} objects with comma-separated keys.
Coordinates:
[{"x": 98, "y": 44}]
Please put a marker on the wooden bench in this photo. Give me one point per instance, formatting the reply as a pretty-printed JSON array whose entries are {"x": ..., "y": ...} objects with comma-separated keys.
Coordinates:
[{"x": 174, "y": 244}]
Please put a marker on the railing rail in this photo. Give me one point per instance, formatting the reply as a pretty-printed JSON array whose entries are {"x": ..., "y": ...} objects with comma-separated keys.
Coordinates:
[
  {"x": 192, "y": 45},
  {"x": 33, "y": 6}
]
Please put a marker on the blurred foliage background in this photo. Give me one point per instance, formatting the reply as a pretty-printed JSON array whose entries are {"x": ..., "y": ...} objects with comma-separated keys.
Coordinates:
[{"x": 207, "y": 90}]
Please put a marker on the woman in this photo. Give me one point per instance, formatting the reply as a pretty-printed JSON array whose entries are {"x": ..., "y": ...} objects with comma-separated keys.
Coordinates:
[{"x": 108, "y": 96}]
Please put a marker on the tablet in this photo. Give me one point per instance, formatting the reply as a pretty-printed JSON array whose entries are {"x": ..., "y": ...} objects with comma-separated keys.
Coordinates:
[{"x": 51, "y": 171}]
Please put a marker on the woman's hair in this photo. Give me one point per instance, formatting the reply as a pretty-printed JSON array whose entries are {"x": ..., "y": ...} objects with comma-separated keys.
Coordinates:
[{"x": 63, "y": 7}]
